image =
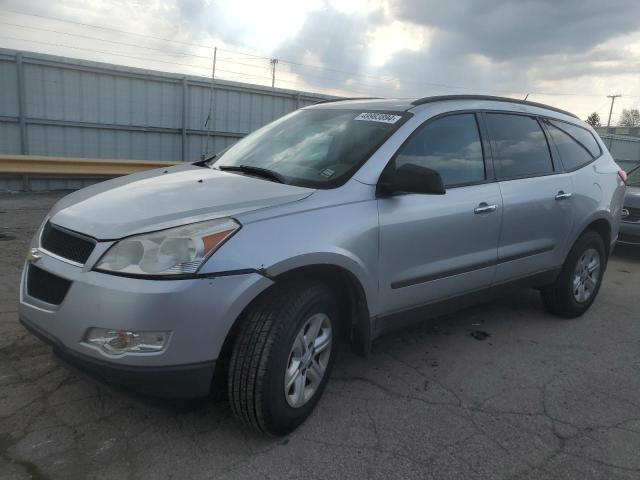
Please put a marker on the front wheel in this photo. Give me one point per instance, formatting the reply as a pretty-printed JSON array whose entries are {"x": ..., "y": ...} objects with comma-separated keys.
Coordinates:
[
  {"x": 579, "y": 281},
  {"x": 283, "y": 356}
]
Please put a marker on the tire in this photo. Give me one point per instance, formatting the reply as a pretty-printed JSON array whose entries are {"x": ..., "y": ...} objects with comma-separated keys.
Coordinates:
[
  {"x": 269, "y": 346},
  {"x": 564, "y": 297}
]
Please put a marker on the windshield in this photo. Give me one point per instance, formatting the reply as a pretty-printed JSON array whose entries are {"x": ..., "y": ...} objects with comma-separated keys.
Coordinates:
[{"x": 319, "y": 148}]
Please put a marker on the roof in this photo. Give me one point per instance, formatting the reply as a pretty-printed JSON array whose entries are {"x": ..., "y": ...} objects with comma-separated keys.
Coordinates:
[{"x": 403, "y": 104}]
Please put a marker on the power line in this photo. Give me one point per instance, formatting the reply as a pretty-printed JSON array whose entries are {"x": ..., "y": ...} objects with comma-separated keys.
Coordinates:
[
  {"x": 251, "y": 56},
  {"x": 314, "y": 77},
  {"x": 129, "y": 56},
  {"x": 200, "y": 67},
  {"x": 163, "y": 52},
  {"x": 111, "y": 29},
  {"x": 115, "y": 42},
  {"x": 298, "y": 64}
]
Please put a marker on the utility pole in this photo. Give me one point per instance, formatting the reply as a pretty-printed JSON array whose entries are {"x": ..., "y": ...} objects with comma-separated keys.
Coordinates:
[
  {"x": 209, "y": 121},
  {"x": 613, "y": 99},
  {"x": 274, "y": 62}
]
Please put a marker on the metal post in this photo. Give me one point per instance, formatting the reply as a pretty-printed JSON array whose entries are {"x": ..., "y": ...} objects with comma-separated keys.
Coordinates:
[
  {"x": 297, "y": 100},
  {"x": 24, "y": 148},
  {"x": 210, "y": 117},
  {"x": 184, "y": 118},
  {"x": 274, "y": 62},
  {"x": 613, "y": 99}
]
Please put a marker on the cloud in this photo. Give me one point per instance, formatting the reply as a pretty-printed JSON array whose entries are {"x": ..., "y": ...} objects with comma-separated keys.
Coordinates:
[
  {"x": 507, "y": 29},
  {"x": 336, "y": 38}
]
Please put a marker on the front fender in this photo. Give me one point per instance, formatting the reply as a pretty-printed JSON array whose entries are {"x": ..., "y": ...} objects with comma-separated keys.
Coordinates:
[
  {"x": 341, "y": 259},
  {"x": 345, "y": 236}
]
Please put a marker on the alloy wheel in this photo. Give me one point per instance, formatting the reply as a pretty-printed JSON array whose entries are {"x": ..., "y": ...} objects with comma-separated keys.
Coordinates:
[
  {"x": 308, "y": 360},
  {"x": 586, "y": 275}
]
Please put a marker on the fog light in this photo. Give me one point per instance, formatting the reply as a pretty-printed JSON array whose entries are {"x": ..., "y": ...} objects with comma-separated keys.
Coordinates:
[{"x": 117, "y": 342}]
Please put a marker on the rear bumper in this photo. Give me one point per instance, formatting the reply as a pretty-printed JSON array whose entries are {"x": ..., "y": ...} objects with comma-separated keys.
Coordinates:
[
  {"x": 629, "y": 233},
  {"x": 178, "y": 382}
]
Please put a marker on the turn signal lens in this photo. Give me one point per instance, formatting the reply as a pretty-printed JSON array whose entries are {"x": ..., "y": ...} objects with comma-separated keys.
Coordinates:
[{"x": 119, "y": 342}]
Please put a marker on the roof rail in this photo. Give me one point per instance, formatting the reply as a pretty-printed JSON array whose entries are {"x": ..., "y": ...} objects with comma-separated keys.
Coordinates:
[
  {"x": 331, "y": 100},
  {"x": 440, "y": 98}
]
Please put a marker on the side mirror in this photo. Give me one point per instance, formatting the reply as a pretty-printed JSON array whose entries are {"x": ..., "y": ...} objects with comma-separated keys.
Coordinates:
[{"x": 411, "y": 178}]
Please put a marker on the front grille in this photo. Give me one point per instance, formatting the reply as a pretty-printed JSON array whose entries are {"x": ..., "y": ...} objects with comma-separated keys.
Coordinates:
[
  {"x": 46, "y": 286},
  {"x": 66, "y": 244},
  {"x": 634, "y": 215}
]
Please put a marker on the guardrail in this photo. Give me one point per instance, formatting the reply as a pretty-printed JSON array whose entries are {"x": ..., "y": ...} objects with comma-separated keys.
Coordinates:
[
  {"x": 39, "y": 165},
  {"x": 34, "y": 166}
]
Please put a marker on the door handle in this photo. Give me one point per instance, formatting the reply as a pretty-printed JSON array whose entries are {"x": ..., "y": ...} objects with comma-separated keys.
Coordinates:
[
  {"x": 485, "y": 208},
  {"x": 562, "y": 196}
]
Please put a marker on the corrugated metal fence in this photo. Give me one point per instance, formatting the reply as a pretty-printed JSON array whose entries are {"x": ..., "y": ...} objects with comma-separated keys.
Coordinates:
[
  {"x": 73, "y": 108},
  {"x": 625, "y": 150}
]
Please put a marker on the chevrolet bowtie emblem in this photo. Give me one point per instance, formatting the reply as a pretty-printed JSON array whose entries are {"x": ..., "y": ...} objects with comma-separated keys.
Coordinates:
[{"x": 34, "y": 255}]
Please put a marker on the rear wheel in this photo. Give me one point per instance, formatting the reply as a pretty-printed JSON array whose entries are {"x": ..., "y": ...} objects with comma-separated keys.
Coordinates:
[
  {"x": 579, "y": 281},
  {"x": 283, "y": 356}
]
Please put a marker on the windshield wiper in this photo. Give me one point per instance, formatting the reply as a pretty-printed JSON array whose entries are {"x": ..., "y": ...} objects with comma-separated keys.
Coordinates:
[{"x": 256, "y": 171}]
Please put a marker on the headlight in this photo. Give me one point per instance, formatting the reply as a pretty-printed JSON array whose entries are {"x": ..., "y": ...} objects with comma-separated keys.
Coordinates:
[{"x": 176, "y": 251}]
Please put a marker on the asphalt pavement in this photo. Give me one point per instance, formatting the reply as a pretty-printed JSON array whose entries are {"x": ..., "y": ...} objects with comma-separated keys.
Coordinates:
[{"x": 498, "y": 391}]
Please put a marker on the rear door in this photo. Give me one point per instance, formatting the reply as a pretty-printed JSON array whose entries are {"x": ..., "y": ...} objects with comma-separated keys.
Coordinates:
[
  {"x": 437, "y": 246},
  {"x": 537, "y": 215}
]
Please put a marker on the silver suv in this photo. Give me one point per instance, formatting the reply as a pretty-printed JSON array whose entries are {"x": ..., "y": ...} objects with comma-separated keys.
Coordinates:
[{"x": 342, "y": 220}]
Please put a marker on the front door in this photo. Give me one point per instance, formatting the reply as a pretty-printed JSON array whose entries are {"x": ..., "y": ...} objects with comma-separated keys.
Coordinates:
[{"x": 433, "y": 247}]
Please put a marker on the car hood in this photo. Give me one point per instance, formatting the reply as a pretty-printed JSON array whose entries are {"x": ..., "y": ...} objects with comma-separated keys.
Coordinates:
[
  {"x": 632, "y": 197},
  {"x": 165, "y": 198}
]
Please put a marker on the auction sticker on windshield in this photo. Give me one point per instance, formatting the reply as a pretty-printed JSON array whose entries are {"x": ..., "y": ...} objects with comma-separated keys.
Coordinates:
[{"x": 378, "y": 117}]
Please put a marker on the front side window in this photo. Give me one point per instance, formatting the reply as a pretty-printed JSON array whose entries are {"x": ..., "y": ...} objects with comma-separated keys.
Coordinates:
[
  {"x": 451, "y": 146},
  {"x": 319, "y": 148},
  {"x": 521, "y": 147},
  {"x": 576, "y": 146}
]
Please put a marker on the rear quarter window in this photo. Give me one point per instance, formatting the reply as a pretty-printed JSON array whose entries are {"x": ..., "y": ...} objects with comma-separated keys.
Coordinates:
[{"x": 576, "y": 145}]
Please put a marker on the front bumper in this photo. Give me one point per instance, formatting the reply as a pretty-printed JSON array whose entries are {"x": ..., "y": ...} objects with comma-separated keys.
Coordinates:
[
  {"x": 629, "y": 233},
  {"x": 199, "y": 312},
  {"x": 175, "y": 383}
]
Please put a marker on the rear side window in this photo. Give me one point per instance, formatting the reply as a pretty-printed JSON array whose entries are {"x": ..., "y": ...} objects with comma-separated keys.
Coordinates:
[
  {"x": 521, "y": 147},
  {"x": 576, "y": 145},
  {"x": 449, "y": 145}
]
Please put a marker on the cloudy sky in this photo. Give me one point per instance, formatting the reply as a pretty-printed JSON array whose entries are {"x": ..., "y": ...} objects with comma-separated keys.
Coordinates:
[{"x": 569, "y": 53}]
